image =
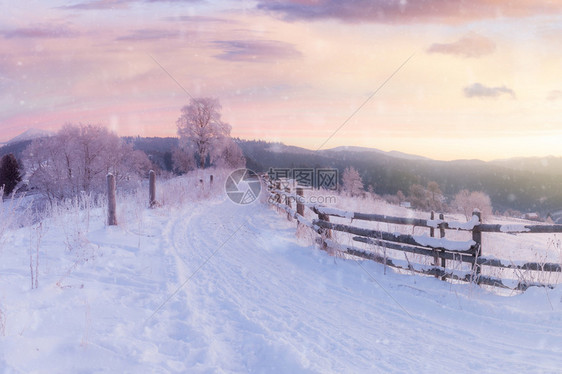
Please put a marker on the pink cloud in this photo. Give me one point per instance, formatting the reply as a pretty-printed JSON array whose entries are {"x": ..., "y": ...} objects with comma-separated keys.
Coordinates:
[
  {"x": 150, "y": 34},
  {"x": 40, "y": 31},
  {"x": 116, "y": 4},
  {"x": 404, "y": 11},
  {"x": 472, "y": 45},
  {"x": 98, "y": 4},
  {"x": 256, "y": 50},
  {"x": 480, "y": 90}
]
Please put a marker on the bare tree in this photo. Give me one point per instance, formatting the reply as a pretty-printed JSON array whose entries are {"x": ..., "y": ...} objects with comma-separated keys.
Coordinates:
[
  {"x": 127, "y": 164},
  {"x": 45, "y": 161},
  {"x": 465, "y": 202},
  {"x": 401, "y": 197},
  {"x": 418, "y": 196},
  {"x": 200, "y": 128},
  {"x": 352, "y": 182},
  {"x": 436, "y": 196},
  {"x": 78, "y": 158}
]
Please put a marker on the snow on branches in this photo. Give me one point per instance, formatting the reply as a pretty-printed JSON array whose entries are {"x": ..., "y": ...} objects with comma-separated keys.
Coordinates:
[
  {"x": 203, "y": 135},
  {"x": 78, "y": 158}
]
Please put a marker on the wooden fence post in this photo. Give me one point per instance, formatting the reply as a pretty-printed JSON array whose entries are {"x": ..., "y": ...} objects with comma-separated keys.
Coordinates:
[
  {"x": 111, "y": 203},
  {"x": 288, "y": 201},
  {"x": 432, "y": 234},
  {"x": 442, "y": 235},
  {"x": 152, "y": 188},
  {"x": 300, "y": 199},
  {"x": 431, "y": 229},
  {"x": 327, "y": 233},
  {"x": 441, "y": 228},
  {"x": 477, "y": 237}
]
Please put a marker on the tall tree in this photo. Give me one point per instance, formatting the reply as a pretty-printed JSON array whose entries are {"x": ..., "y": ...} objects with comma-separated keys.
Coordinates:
[
  {"x": 10, "y": 174},
  {"x": 200, "y": 128},
  {"x": 352, "y": 182}
]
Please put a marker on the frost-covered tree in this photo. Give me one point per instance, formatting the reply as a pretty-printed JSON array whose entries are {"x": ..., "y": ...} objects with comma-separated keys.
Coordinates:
[
  {"x": 229, "y": 155},
  {"x": 465, "y": 202},
  {"x": 10, "y": 174},
  {"x": 78, "y": 158},
  {"x": 49, "y": 167},
  {"x": 182, "y": 161},
  {"x": 352, "y": 182},
  {"x": 201, "y": 130}
]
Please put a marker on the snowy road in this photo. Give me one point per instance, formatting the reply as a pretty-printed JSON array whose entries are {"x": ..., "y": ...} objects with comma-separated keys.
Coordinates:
[
  {"x": 263, "y": 303},
  {"x": 254, "y": 300}
]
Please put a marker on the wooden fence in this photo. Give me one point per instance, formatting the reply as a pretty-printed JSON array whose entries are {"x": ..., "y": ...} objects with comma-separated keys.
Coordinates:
[{"x": 435, "y": 246}]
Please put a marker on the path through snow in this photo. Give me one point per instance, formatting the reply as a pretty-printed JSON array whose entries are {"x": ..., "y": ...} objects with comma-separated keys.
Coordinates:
[{"x": 262, "y": 303}]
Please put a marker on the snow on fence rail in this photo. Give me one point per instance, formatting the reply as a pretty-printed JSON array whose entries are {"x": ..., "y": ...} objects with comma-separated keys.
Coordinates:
[{"x": 434, "y": 246}]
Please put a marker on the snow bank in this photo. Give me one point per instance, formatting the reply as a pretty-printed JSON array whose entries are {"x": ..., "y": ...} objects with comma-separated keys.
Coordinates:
[
  {"x": 335, "y": 212},
  {"x": 450, "y": 245},
  {"x": 513, "y": 228},
  {"x": 465, "y": 225}
]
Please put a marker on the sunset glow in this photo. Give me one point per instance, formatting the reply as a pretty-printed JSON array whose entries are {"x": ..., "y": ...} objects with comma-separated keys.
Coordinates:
[{"x": 485, "y": 79}]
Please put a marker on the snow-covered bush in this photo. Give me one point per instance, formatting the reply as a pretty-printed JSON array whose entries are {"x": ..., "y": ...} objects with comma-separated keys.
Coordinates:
[
  {"x": 77, "y": 159},
  {"x": 14, "y": 212}
]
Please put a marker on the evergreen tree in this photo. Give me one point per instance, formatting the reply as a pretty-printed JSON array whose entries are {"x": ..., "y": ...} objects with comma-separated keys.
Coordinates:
[{"x": 9, "y": 173}]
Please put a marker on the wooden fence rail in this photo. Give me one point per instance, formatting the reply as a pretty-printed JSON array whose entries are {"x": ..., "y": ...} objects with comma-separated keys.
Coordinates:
[{"x": 440, "y": 249}]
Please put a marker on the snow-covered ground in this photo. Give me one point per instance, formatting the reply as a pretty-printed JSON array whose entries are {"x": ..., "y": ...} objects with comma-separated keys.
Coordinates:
[
  {"x": 508, "y": 247},
  {"x": 213, "y": 287}
]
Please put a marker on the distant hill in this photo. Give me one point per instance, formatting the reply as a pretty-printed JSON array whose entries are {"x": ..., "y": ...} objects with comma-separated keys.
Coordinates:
[
  {"x": 524, "y": 184},
  {"x": 158, "y": 150},
  {"x": 30, "y": 135},
  {"x": 509, "y": 187},
  {"x": 374, "y": 150},
  {"x": 19, "y": 143},
  {"x": 548, "y": 165},
  {"x": 16, "y": 148}
]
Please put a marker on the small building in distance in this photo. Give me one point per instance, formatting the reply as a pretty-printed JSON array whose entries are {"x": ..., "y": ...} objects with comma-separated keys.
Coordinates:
[
  {"x": 405, "y": 204},
  {"x": 532, "y": 217}
]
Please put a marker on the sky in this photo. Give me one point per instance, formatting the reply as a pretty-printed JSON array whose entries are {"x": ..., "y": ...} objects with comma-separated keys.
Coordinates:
[{"x": 439, "y": 78}]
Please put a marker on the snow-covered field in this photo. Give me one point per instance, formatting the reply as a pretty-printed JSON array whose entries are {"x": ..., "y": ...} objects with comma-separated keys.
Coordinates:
[{"x": 207, "y": 286}]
